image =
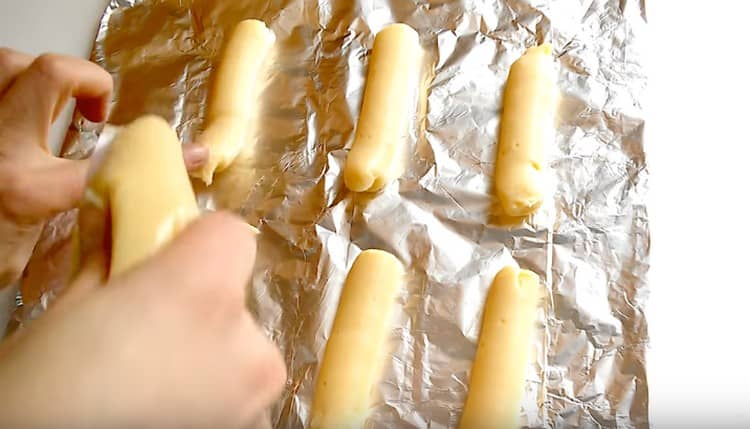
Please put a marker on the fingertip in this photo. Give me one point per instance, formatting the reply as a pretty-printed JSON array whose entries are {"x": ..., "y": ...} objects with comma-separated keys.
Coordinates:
[
  {"x": 228, "y": 242},
  {"x": 229, "y": 225},
  {"x": 94, "y": 109},
  {"x": 195, "y": 156}
]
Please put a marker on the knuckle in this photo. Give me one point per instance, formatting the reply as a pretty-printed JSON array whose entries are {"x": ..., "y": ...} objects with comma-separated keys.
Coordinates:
[
  {"x": 6, "y": 58},
  {"x": 13, "y": 196},
  {"x": 50, "y": 66}
]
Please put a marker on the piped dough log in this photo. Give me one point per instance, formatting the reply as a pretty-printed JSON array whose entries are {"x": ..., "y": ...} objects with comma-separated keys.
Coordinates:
[
  {"x": 145, "y": 186},
  {"x": 527, "y": 126},
  {"x": 354, "y": 355},
  {"x": 388, "y": 107},
  {"x": 498, "y": 374},
  {"x": 234, "y": 95}
]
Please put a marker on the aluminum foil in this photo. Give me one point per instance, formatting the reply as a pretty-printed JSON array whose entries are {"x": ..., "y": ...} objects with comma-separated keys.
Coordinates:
[{"x": 589, "y": 244}]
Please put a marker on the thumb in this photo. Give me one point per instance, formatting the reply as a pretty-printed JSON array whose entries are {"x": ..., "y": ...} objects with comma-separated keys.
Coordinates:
[
  {"x": 50, "y": 186},
  {"x": 61, "y": 183},
  {"x": 92, "y": 276},
  {"x": 215, "y": 252}
]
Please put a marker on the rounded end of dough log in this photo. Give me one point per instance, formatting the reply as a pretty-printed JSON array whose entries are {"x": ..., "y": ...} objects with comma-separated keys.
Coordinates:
[
  {"x": 527, "y": 282},
  {"x": 404, "y": 32},
  {"x": 380, "y": 257},
  {"x": 520, "y": 189},
  {"x": 119, "y": 162},
  {"x": 149, "y": 120},
  {"x": 152, "y": 123},
  {"x": 255, "y": 26},
  {"x": 224, "y": 138},
  {"x": 538, "y": 59},
  {"x": 358, "y": 179},
  {"x": 521, "y": 207},
  {"x": 373, "y": 265},
  {"x": 544, "y": 48},
  {"x": 129, "y": 138}
]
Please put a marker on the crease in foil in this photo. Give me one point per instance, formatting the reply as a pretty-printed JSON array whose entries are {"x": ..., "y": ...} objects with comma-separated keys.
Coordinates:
[{"x": 589, "y": 244}]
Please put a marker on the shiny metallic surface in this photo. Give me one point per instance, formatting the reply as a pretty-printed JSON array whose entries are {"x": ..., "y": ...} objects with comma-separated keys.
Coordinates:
[{"x": 589, "y": 243}]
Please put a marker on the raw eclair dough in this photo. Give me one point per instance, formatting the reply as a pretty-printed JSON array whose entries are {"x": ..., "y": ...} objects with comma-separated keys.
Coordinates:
[
  {"x": 528, "y": 121},
  {"x": 392, "y": 81},
  {"x": 353, "y": 358},
  {"x": 234, "y": 94},
  {"x": 144, "y": 183},
  {"x": 498, "y": 373}
]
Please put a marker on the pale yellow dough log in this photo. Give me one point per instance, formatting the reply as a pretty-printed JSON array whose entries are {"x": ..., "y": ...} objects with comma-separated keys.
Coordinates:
[
  {"x": 143, "y": 182},
  {"x": 498, "y": 373},
  {"x": 388, "y": 106},
  {"x": 527, "y": 126},
  {"x": 233, "y": 97},
  {"x": 354, "y": 355}
]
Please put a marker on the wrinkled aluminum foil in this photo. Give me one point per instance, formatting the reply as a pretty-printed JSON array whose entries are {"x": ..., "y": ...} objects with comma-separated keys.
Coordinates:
[{"x": 589, "y": 244}]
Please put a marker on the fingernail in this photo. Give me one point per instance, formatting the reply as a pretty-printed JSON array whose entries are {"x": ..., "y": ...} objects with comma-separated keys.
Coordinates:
[{"x": 194, "y": 155}]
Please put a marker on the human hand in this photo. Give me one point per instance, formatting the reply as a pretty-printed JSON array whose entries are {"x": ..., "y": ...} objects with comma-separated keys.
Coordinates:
[
  {"x": 167, "y": 345},
  {"x": 34, "y": 184}
]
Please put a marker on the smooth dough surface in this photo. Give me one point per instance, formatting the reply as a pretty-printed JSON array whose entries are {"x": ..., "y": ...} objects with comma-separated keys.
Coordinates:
[
  {"x": 144, "y": 183},
  {"x": 388, "y": 107},
  {"x": 499, "y": 371},
  {"x": 233, "y": 97},
  {"x": 354, "y": 355},
  {"x": 527, "y": 126}
]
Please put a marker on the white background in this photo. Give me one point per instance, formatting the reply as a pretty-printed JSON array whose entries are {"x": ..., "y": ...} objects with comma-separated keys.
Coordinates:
[{"x": 697, "y": 148}]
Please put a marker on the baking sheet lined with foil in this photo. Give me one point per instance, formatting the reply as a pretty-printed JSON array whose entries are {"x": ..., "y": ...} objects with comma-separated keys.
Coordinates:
[{"x": 589, "y": 244}]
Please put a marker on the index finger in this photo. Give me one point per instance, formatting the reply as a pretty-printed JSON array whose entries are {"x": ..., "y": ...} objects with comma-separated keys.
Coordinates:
[
  {"x": 40, "y": 92},
  {"x": 12, "y": 63}
]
